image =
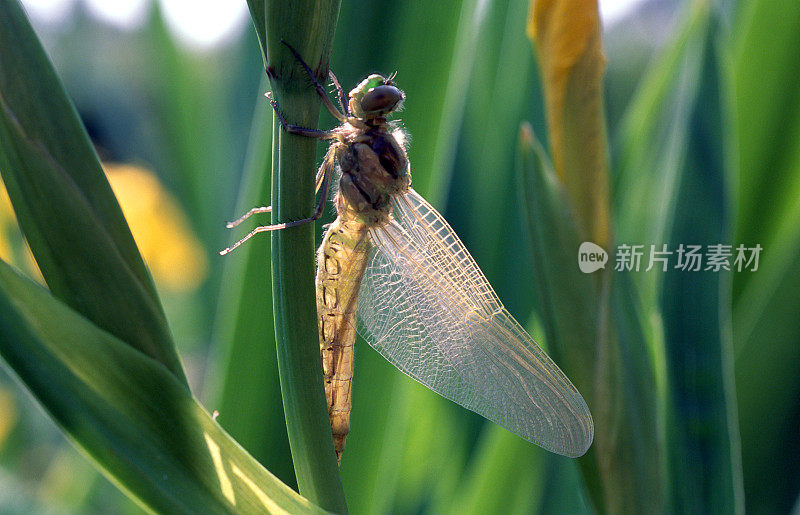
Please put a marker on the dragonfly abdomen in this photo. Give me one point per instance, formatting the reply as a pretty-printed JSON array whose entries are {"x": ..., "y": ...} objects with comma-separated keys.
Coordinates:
[{"x": 341, "y": 261}]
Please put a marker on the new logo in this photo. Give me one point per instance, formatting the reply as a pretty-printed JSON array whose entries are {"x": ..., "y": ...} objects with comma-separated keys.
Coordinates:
[{"x": 591, "y": 257}]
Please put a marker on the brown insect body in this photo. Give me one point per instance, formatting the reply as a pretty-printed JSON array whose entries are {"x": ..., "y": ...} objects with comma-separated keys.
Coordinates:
[
  {"x": 370, "y": 156},
  {"x": 374, "y": 167}
]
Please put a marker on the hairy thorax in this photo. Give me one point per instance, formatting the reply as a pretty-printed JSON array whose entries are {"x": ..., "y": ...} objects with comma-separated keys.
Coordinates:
[{"x": 374, "y": 167}]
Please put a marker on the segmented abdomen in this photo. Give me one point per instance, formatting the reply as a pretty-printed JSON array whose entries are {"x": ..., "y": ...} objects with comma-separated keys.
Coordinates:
[{"x": 341, "y": 262}]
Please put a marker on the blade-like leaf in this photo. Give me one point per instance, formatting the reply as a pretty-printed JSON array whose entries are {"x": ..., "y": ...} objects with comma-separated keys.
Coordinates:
[
  {"x": 702, "y": 431},
  {"x": 257, "y": 8},
  {"x": 191, "y": 118},
  {"x": 603, "y": 352},
  {"x": 483, "y": 163},
  {"x": 501, "y": 454},
  {"x": 765, "y": 65},
  {"x": 64, "y": 203},
  {"x": 652, "y": 138},
  {"x": 568, "y": 297},
  {"x": 672, "y": 190},
  {"x": 133, "y": 417}
]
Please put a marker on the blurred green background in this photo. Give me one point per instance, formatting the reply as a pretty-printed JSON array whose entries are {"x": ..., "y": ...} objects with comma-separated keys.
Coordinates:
[{"x": 685, "y": 92}]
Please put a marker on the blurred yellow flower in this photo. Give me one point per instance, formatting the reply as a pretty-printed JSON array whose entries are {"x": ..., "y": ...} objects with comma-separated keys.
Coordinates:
[
  {"x": 7, "y": 222},
  {"x": 13, "y": 247},
  {"x": 567, "y": 40},
  {"x": 160, "y": 228},
  {"x": 8, "y": 414}
]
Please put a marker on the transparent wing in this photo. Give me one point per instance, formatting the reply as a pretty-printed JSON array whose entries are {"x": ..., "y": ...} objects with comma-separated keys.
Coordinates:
[{"x": 427, "y": 308}]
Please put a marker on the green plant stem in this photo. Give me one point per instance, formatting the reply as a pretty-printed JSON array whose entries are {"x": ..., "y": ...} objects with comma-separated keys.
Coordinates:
[{"x": 308, "y": 26}]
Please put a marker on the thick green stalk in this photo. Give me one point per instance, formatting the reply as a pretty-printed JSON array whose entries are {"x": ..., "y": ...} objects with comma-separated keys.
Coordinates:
[
  {"x": 244, "y": 328},
  {"x": 308, "y": 26}
]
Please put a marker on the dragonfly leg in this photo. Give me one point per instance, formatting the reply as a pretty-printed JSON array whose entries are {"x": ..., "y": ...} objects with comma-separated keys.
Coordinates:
[
  {"x": 324, "y": 176},
  {"x": 296, "y": 129},
  {"x": 264, "y": 209},
  {"x": 320, "y": 89},
  {"x": 268, "y": 209},
  {"x": 340, "y": 92}
]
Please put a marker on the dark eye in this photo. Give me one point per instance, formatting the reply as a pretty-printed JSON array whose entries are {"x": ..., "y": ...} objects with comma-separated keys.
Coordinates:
[{"x": 381, "y": 99}]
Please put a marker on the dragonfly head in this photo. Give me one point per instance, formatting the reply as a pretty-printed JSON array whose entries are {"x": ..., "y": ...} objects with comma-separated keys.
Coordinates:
[{"x": 375, "y": 96}]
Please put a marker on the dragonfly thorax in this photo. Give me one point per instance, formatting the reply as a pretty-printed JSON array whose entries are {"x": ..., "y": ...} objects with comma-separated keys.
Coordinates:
[{"x": 374, "y": 168}]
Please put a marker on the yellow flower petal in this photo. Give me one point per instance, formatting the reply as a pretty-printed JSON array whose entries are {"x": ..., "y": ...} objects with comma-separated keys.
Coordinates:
[
  {"x": 160, "y": 228},
  {"x": 566, "y": 37},
  {"x": 10, "y": 232},
  {"x": 6, "y": 210},
  {"x": 7, "y": 220},
  {"x": 8, "y": 414}
]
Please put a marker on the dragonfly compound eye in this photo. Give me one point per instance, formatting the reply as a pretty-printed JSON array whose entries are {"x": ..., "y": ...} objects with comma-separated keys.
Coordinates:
[{"x": 381, "y": 100}]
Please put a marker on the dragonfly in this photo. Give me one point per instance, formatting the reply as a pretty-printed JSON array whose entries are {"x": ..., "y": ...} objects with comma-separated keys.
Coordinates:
[{"x": 391, "y": 268}]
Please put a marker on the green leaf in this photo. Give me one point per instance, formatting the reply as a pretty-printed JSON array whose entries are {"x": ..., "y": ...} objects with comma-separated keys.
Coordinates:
[
  {"x": 484, "y": 165},
  {"x": 434, "y": 78},
  {"x": 630, "y": 452},
  {"x": 257, "y": 14},
  {"x": 594, "y": 333},
  {"x": 190, "y": 93},
  {"x": 501, "y": 454},
  {"x": 64, "y": 203},
  {"x": 130, "y": 414},
  {"x": 567, "y": 297},
  {"x": 702, "y": 432},
  {"x": 672, "y": 189},
  {"x": 652, "y": 138},
  {"x": 765, "y": 65}
]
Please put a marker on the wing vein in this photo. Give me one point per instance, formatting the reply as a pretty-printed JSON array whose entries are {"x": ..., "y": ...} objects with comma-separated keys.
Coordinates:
[{"x": 427, "y": 307}]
